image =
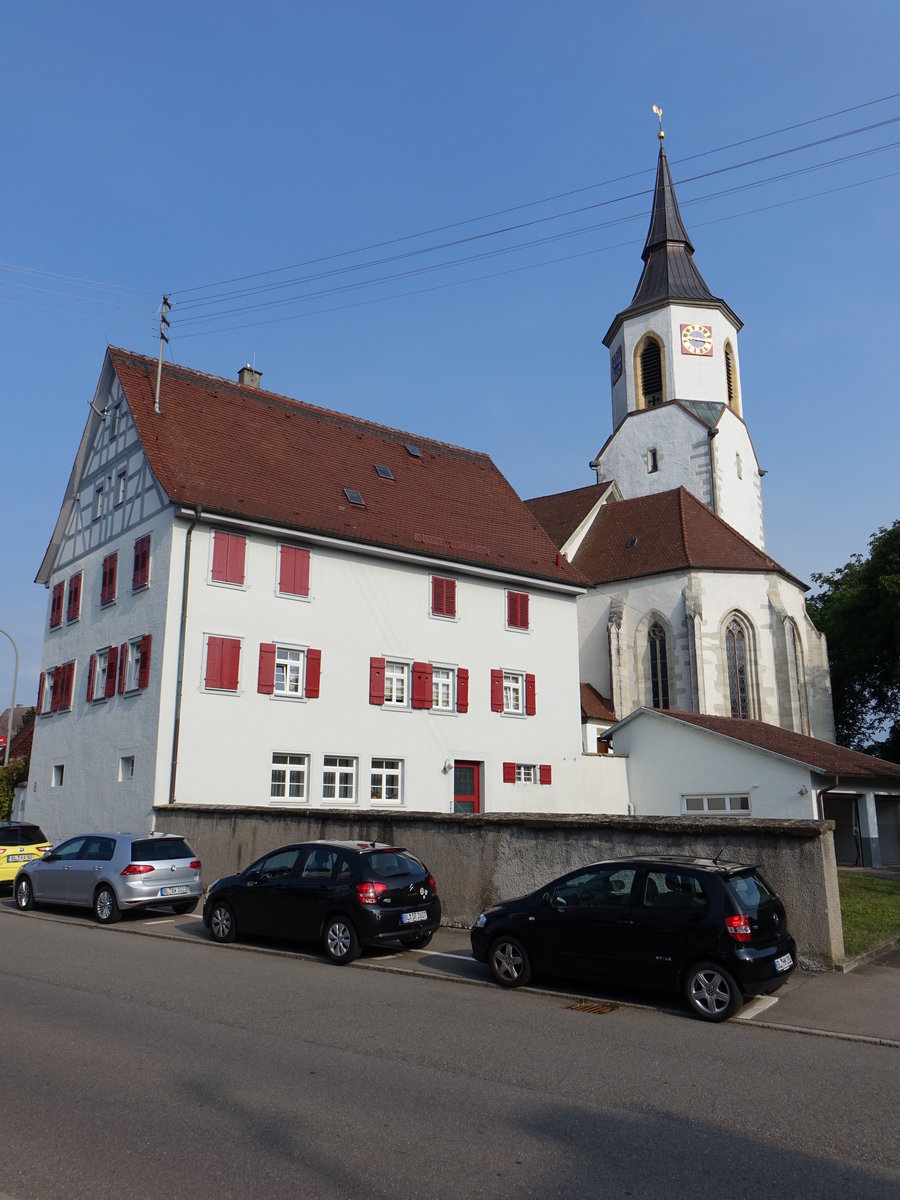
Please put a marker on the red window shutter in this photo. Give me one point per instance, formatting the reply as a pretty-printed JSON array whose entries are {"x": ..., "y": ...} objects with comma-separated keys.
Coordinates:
[
  {"x": 443, "y": 596},
  {"x": 56, "y": 605},
  {"x": 68, "y": 684},
  {"x": 450, "y": 598},
  {"x": 40, "y": 698},
  {"x": 123, "y": 666},
  {"x": 141, "y": 573},
  {"x": 90, "y": 682},
  {"x": 496, "y": 691},
  {"x": 294, "y": 572},
  {"x": 530, "y": 698},
  {"x": 376, "y": 681},
  {"x": 112, "y": 659},
  {"x": 57, "y": 689},
  {"x": 265, "y": 682},
  {"x": 509, "y": 772},
  {"x": 237, "y": 548},
  {"x": 313, "y": 673},
  {"x": 231, "y": 664},
  {"x": 214, "y": 646},
  {"x": 73, "y": 609},
  {"x": 517, "y": 610},
  {"x": 462, "y": 690},
  {"x": 220, "y": 556},
  {"x": 544, "y": 773},
  {"x": 108, "y": 589},
  {"x": 422, "y": 693},
  {"x": 144, "y": 668}
]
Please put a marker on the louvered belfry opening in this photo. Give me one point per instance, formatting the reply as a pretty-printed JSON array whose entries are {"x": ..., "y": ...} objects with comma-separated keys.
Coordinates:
[
  {"x": 651, "y": 374},
  {"x": 730, "y": 381}
]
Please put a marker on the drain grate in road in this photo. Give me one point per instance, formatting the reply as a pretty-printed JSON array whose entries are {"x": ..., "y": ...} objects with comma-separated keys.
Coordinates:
[{"x": 591, "y": 1006}]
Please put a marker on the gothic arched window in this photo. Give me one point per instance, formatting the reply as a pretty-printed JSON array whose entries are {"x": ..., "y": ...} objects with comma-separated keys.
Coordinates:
[
  {"x": 651, "y": 373},
  {"x": 737, "y": 659},
  {"x": 659, "y": 668}
]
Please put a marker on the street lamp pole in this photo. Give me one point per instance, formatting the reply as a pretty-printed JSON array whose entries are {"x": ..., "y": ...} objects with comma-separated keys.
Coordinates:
[{"x": 12, "y": 707}]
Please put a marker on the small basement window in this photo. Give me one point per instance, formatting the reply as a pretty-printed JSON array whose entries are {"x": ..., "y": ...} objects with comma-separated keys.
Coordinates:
[
  {"x": 354, "y": 497},
  {"x": 383, "y": 471}
]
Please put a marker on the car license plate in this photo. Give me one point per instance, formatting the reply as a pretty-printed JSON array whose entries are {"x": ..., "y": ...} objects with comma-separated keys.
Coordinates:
[
  {"x": 784, "y": 963},
  {"x": 173, "y": 891},
  {"x": 19, "y": 857},
  {"x": 411, "y": 918}
]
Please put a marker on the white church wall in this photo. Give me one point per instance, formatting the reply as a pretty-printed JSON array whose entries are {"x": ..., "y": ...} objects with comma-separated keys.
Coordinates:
[
  {"x": 682, "y": 454},
  {"x": 738, "y": 484}
]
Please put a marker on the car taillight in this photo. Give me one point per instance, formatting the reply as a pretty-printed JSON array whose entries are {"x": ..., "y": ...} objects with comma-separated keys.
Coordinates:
[
  {"x": 195, "y": 864},
  {"x": 739, "y": 927},
  {"x": 432, "y": 884},
  {"x": 368, "y": 891},
  {"x": 43, "y": 849},
  {"x": 138, "y": 869}
]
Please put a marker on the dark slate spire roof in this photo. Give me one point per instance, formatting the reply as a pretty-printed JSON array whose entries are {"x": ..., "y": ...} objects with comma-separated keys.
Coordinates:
[{"x": 670, "y": 272}]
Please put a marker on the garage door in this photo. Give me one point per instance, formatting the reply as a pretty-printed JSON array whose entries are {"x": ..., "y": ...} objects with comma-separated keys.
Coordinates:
[
  {"x": 842, "y": 810},
  {"x": 887, "y": 809}
]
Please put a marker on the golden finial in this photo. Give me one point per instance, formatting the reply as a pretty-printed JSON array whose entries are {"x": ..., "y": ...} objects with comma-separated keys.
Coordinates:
[{"x": 658, "y": 112}]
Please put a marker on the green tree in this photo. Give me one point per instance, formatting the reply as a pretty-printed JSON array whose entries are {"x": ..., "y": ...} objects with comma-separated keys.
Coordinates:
[
  {"x": 857, "y": 607},
  {"x": 14, "y": 772}
]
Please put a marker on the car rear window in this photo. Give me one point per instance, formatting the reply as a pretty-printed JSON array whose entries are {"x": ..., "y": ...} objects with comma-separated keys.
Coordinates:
[
  {"x": 388, "y": 864},
  {"x": 160, "y": 849},
  {"x": 25, "y": 835},
  {"x": 752, "y": 891}
]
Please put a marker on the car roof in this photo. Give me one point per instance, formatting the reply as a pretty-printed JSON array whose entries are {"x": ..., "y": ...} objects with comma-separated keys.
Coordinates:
[{"x": 710, "y": 865}]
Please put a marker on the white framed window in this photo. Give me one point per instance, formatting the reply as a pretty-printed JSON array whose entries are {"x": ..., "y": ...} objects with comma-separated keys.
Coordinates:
[
  {"x": 98, "y": 502},
  {"x": 58, "y": 774},
  {"x": 722, "y": 804},
  {"x": 526, "y": 773},
  {"x": 513, "y": 692},
  {"x": 339, "y": 779},
  {"x": 101, "y": 668},
  {"x": 443, "y": 689},
  {"x": 120, "y": 488},
  {"x": 386, "y": 781},
  {"x": 288, "y": 671},
  {"x": 132, "y": 665},
  {"x": 126, "y": 768},
  {"x": 289, "y": 778},
  {"x": 396, "y": 684}
]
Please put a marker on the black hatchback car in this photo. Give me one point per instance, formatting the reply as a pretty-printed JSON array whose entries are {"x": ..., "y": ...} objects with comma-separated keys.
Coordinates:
[
  {"x": 344, "y": 895},
  {"x": 715, "y": 931}
]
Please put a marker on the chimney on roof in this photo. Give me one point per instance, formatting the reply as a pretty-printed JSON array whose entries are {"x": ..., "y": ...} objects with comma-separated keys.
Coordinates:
[{"x": 249, "y": 377}]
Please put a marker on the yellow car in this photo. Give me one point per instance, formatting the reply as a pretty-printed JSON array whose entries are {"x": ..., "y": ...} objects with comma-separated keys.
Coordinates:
[{"x": 19, "y": 843}]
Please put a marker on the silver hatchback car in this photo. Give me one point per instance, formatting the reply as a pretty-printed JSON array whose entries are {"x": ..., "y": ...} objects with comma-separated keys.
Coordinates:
[{"x": 113, "y": 872}]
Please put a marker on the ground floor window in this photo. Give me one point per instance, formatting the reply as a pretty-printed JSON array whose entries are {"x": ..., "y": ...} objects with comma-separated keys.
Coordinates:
[
  {"x": 289, "y": 777},
  {"x": 339, "y": 779},
  {"x": 715, "y": 804},
  {"x": 386, "y": 777}
]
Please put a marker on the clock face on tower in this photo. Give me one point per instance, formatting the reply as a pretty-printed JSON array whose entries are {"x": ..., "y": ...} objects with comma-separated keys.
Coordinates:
[{"x": 696, "y": 339}]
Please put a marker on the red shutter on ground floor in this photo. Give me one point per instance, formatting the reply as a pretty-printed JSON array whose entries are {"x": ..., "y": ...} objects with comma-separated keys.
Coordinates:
[
  {"x": 90, "y": 680},
  {"x": 313, "y": 673},
  {"x": 496, "y": 691},
  {"x": 112, "y": 659},
  {"x": 530, "y": 696},
  {"x": 265, "y": 680},
  {"x": 144, "y": 668},
  {"x": 422, "y": 687},
  {"x": 376, "y": 681},
  {"x": 462, "y": 690},
  {"x": 544, "y": 773},
  {"x": 509, "y": 772}
]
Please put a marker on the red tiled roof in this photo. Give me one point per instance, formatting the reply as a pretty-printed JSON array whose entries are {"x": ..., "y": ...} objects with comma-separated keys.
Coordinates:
[
  {"x": 824, "y": 757},
  {"x": 562, "y": 513},
  {"x": 20, "y": 746},
  {"x": 671, "y": 531},
  {"x": 242, "y": 451},
  {"x": 594, "y": 706}
]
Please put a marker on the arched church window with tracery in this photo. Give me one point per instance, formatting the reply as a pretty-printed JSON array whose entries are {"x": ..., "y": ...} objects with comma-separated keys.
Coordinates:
[
  {"x": 651, "y": 373},
  {"x": 659, "y": 667},
  {"x": 731, "y": 380},
  {"x": 736, "y": 657}
]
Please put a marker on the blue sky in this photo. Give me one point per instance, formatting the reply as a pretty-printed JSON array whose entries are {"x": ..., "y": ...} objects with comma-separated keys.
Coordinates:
[{"x": 168, "y": 147}]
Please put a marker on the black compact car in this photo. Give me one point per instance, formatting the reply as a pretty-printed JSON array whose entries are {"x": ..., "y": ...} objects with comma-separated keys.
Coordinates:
[
  {"x": 715, "y": 931},
  {"x": 344, "y": 895}
]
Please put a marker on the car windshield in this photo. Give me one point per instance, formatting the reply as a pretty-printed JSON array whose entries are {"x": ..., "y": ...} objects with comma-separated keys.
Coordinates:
[
  {"x": 752, "y": 891},
  {"x": 387, "y": 864},
  {"x": 160, "y": 849},
  {"x": 25, "y": 835}
]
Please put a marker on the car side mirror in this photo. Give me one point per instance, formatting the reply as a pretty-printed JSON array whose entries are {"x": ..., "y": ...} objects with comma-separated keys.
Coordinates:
[
  {"x": 49, "y": 856},
  {"x": 554, "y": 902},
  {"x": 252, "y": 876}
]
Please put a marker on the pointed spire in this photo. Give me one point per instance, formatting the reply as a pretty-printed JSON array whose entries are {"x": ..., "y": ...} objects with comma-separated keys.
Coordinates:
[{"x": 666, "y": 224}]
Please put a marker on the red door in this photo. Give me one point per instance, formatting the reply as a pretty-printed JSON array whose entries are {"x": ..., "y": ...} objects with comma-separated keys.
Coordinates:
[{"x": 466, "y": 787}]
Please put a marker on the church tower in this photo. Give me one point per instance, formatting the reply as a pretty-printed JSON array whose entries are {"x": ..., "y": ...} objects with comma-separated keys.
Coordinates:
[{"x": 677, "y": 409}]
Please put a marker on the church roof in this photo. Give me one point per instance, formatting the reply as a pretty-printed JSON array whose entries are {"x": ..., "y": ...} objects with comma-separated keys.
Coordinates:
[
  {"x": 561, "y": 513},
  {"x": 242, "y": 451},
  {"x": 670, "y": 272},
  {"x": 824, "y": 757},
  {"x": 652, "y": 535}
]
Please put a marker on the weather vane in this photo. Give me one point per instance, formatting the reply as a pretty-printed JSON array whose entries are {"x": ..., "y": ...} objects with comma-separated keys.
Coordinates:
[{"x": 658, "y": 112}]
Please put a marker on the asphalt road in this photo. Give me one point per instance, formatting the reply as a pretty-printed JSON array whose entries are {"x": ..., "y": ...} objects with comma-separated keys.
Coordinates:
[{"x": 165, "y": 1067}]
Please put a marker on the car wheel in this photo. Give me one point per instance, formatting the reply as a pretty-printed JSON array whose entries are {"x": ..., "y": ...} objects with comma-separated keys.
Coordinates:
[
  {"x": 186, "y": 906},
  {"x": 106, "y": 906},
  {"x": 417, "y": 941},
  {"x": 222, "y": 926},
  {"x": 711, "y": 992},
  {"x": 509, "y": 962},
  {"x": 24, "y": 893},
  {"x": 340, "y": 941}
]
